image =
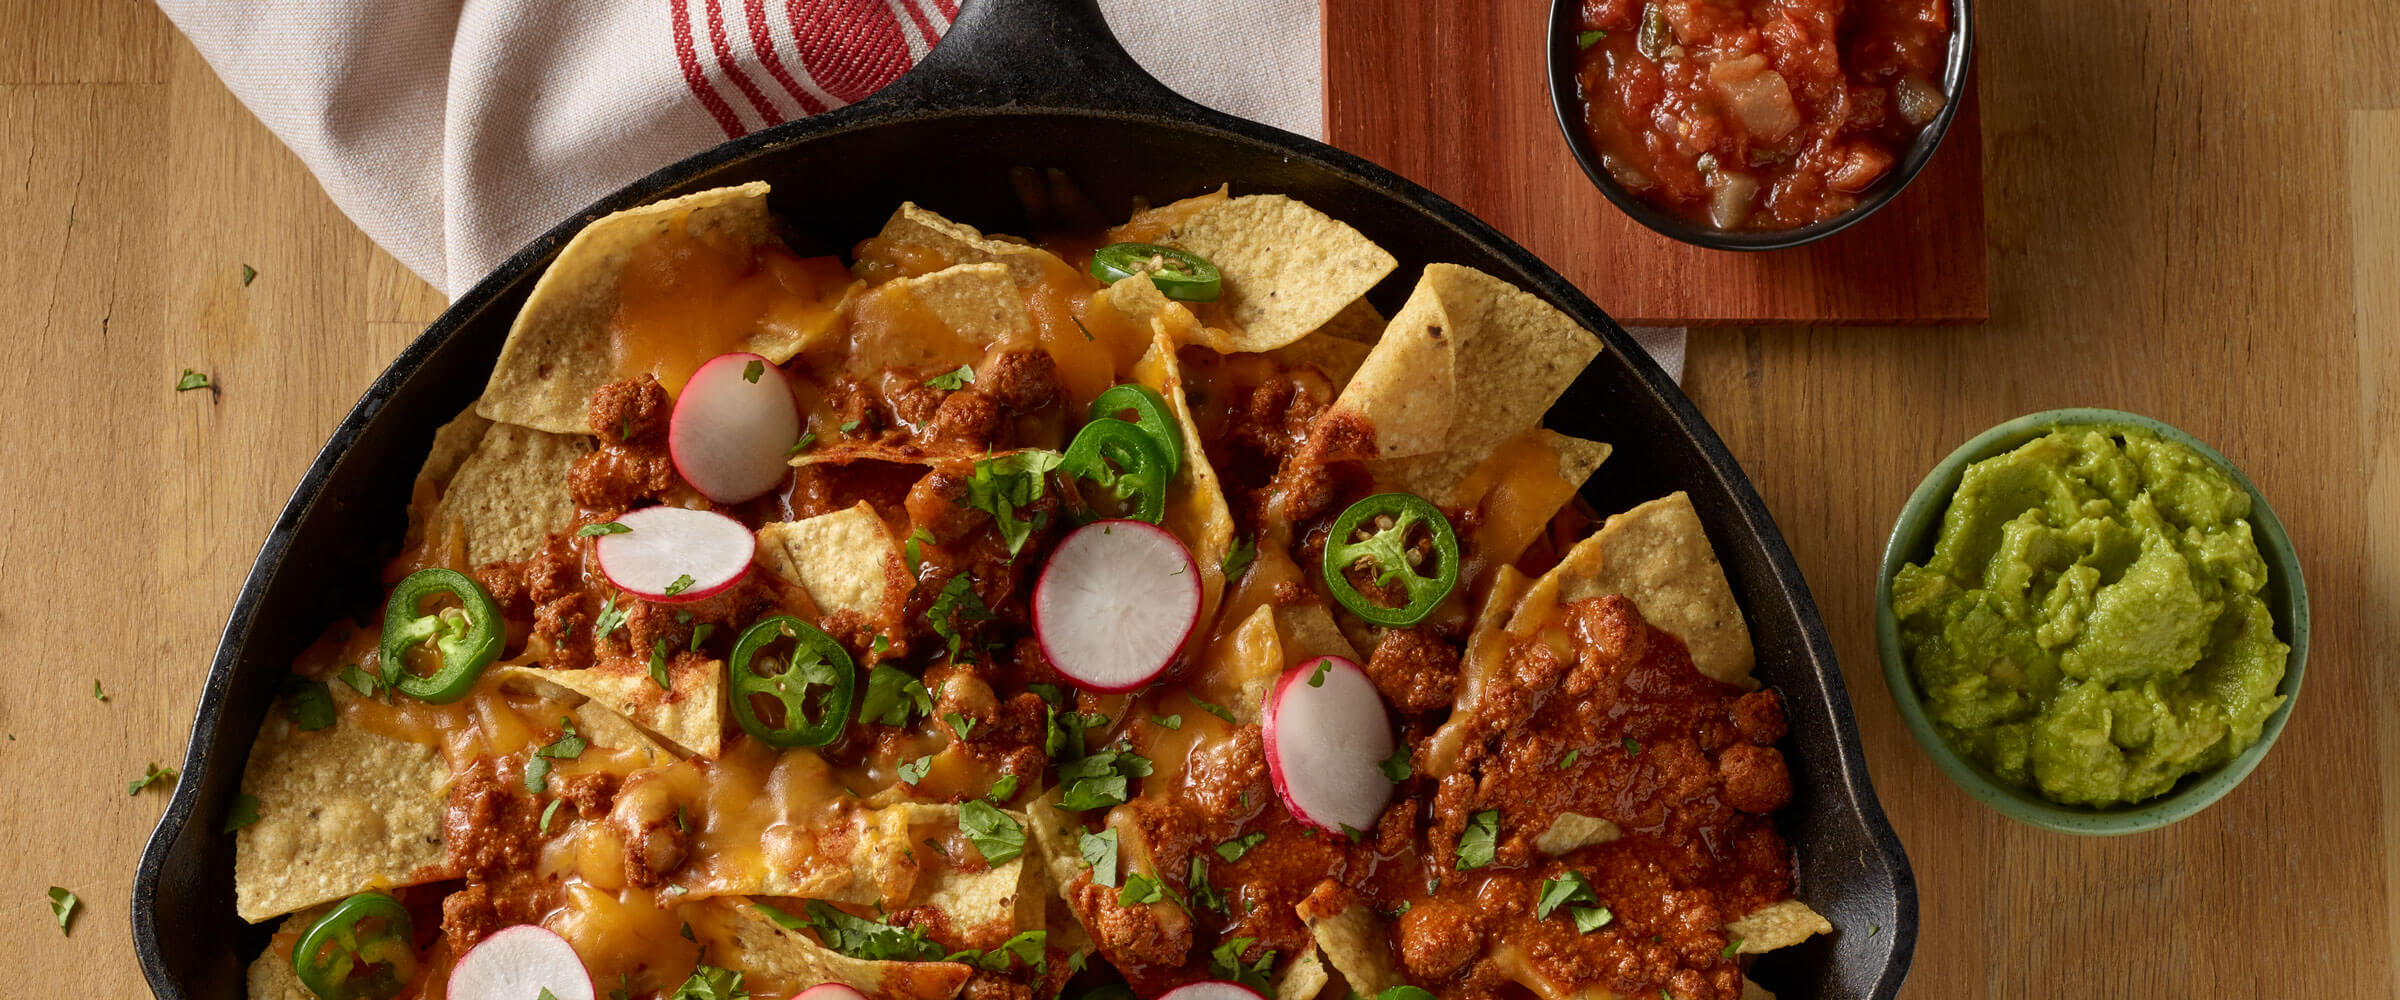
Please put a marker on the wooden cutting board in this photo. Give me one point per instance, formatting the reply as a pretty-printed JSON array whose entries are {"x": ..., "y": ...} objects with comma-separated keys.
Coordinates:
[{"x": 1452, "y": 94}]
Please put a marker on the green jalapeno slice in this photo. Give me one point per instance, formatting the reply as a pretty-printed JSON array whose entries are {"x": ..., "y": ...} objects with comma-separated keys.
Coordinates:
[
  {"x": 362, "y": 949},
  {"x": 1124, "y": 460},
  {"x": 1390, "y": 517},
  {"x": 1150, "y": 413},
  {"x": 467, "y": 637},
  {"x": 1182, "y": 276},
  {"x": 816, "y": 662}
]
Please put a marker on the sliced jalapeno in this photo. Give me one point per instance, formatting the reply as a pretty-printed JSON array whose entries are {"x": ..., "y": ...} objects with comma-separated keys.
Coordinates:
[
  {"x": 1184, "y": 277},
  {"x": 1150, "y": 413},
  {"x": 1123, "y": 459},
  {"x": 467, "y": 636},
  {"x": 1386, "y": 548},
  {"x": 362, "y": 949},
  {"x": 816, "y": 662}
]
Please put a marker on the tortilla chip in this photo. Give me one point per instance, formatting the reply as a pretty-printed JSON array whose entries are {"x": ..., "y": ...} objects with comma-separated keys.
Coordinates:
[
  {"x": 978, "y": 304},
  {"x": 1658, "y": 555},
  {"x": 271, "y": 976},
  {"x": 1058, "y": 835},
  {"x": 1140, "y": 303},
  {"x": 787, "y": 961},
  {"x": 452, "y": 443},
  {"x": 1486, "y": 645},
  {"x": 1470, "y": 362},
  {"x": 1539, "y": 464},
  {"x": 689, "y": 716},
  {"x": 1359, "y": 321},
  {"x": 511, "y": 494},
  {"x": 1359, "y": 947},
  {"x": 1778, "y": 925},
  {"x": 960, "y": 243},
  {"x": 1337, "y": 358},
  {"x": 982, "y": 909},
  {"x": 1753, "y": 991},
  {"x": 1302, "y": 977},
  {"x": 598, "y": 724},
  {"x": 340, "y": 809},
  {"x": 558, "y": 351},
  {"x": 1573, "y": 830},
  {"x": 845, "y": 559},
  {"x": 1288, "y": 268},
  {"x": 1196, "y": 509},
  {"x": 1249, "y": 666}
]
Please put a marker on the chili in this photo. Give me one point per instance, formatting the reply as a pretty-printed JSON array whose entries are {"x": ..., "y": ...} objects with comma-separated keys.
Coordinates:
[
  {"x": 1182, "y": 276},
  {"x": 1387, "y": 548},
  {"x": 1122, "y": 459},
  {"x": 362, "y": 949},
  {"x": 816, "y": 661},
  {"x": 467, "y": 637},
  {"x": 1150, "y": 413}
]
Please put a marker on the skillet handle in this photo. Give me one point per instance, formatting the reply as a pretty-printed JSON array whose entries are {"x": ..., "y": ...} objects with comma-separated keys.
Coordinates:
[{"x": 1034, "y": 54}]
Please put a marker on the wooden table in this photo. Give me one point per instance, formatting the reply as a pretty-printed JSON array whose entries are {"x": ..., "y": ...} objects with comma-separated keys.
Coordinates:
[{"x": 2195, "y": 213}]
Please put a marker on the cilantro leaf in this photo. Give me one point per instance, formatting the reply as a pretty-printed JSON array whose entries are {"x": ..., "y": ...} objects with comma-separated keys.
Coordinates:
[
  {"x": 243, "y": 812},
  {"x": 1396, "y": 767},
  {"x": 859, "y": 937},
  {"x": 683, "y": 582},
  {"x": 603, "y": 528},
  {"x": 193, "y": 380},
  {"x": 1316, "y": 678},
  {"x": 1211, "y": 707},
  {"x": 710, "y": 983},
  {"x": 1569, "y": 887},
  {"x": 1587, "y": 39},
  {"x": 1099, "y": 852},
  {"x": 955, "y": 607},
  {"x": 806, "y": 438},
  {"x": 959, "y": 724},
  {"x": 150, "y": 777},
  {"x": 610, "y": 617},
  {"x": 999, "y": 837},
  {"x": 1225, "y": 962},
  {"x": 952, "y": 381},
  {"x": 96, "y": 692},
  {"x": 751, "y": 371},
  {"x": 1003, "y": 484},
  {"x": 1167, "y": 721},
  {"x": 1633, "y": 748},
  {"x": 364, "y": 683},
  {"x": 781, "y": 919},
  {"x": 893, "y": 697},
  {"x": 568, "y": 746},
  {"x": 1232, "y": 850},
  {"x": 549, "y": 811},
  {"x": 849, "y": 425},
  {"x": 1003, "y": 789},
  {"x": 1590, "y": 918},
  {"x": 1100, "y": 780},
  {"x": 249, "y": 274},
  {"x": 62, "y": 906},
  {"x": 1204, "y": 895},
  {"x": 312, "y": 705},
  {"x": 537, "y": 775},
  {"x": 658, "y": 665},
  {"x": 1238, "y": 558},
  {"x": 1480, "y": 839},
  {"x": 913, "y": 772},
  {"x": 1732, "y": 948},
  {"x": 1570, "y": 759},
  {"x": 1030, "y": 948},
  {"x": 1143, "y": 890}
]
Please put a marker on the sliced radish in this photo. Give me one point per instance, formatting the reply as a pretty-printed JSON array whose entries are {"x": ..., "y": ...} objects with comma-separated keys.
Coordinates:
[
  {"x": 1326, "y": 732},
  {"x": 733, "y": 427},
  {"x": 1210, "y": 989},
  {"x": 1115, "y": 603},
  {"x": 517, "y": 963},
  {"x": 829, "y": 991},
  {"x": 674, "y": 554}
]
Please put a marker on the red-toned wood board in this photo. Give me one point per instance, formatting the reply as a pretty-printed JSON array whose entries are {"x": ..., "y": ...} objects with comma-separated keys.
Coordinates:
[{"x": 1452, "y": 94}]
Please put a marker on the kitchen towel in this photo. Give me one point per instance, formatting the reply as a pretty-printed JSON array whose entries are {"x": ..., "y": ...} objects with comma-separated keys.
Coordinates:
[{"x": 454, "y": 131}]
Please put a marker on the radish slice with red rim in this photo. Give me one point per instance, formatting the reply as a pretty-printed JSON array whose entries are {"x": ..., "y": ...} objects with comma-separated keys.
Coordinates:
[
  {"x": 674, "y": 554},
  {"x": 518, "y": 963},
  {"x": 1115, "y": 604},
  {"x": 1327, "y": 732},
  {"x": 829, "y": 991},
  {"x": 733, "y": 428},
  {"x": 1211, "y": 989}
]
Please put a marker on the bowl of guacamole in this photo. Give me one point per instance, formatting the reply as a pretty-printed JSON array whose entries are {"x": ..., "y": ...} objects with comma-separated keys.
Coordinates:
[{"x": 2092, "y": 621}]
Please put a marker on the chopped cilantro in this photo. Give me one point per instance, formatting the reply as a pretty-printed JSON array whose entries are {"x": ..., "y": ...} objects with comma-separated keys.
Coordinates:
[
  {"x": 1732, "y": 948},
  {"x": 781, "y": 919},
  {"x": 1238, "y": 558},
  {"x": 1587, "y": 39},
  {"x": 1087, "y": 331},
  {"x": 958, "y": 723},
  {"x": 710, "y": 983},
  {"x": 893, "y": 697},
  {"x": 1590, "y": 918},
  {"x": 1211, "y": 707},
  {"x": 1395, "y": 767},
  {"x": 364, "y": 683},
  {"x": 1632, "y": 748},
  {"x": 62, "y": 906},
  {"x": 249, "y": 274},
  {"x": 859, "y": 937},
  {"x": 611, "y": 616},
  {"x": 1004, "y": 484},
  {"x": 96, "y": 692},
  {"x": 683, "y": 582},
  {"x": 193, "y": 380},
  {"x": 1402, "y": 909},
  {"x": 1099, "y": 852},
  {"x": 1225, "y": 962},
  {"x": 1143, "y": 890},
  {"x": 1569, "y": 887},
  {"x": 1204, "y": 895},
  {"x": 547, "y": 995},
  {"x": 569, "y": 744},
  {"x": 549, "y": 811},
  {"x": 849, "y": 425},
  {"x": 658, "y": 665},
  {"x": 1167, "y": 721},
  {"x": 1316, "y": 678},
  {"x": 1232, "y": 850},
  {"x": 312, "y": 705},
  {"x": 1099, "y": 780},
  {"x": 806, "y": 438},
  {"x": 1570, "y": 759},
  {"x": 1050, "y": 693},
  {"x": 915, "y": 547},
  {"x": 914, "y": 771},
  {"x": 1030, "y": 948},
  {"x": 955, "y": 607},
  {"x": 602, "y": 528},
  {"x": 150, "y": 777},
  {"x": 751, "y": 371},
  {"x": 537, "y": 775},
  {"x": 952, "y": 381},
  {"x": 243, "y": 812},
  {"x": 700, "y": 634},
  {"x": 1479, "y": 840},
  {"x": 992, "y": 832},
  {"x": 1003, "y": 789}
]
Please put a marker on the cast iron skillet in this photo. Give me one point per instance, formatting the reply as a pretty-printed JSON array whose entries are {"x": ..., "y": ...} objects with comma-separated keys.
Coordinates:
[{"x": 1024, "y": 83}]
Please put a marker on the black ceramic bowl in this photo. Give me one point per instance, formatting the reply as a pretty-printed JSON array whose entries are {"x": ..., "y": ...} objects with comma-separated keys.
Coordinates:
[
  {"x": 1027, "y": 83},
  {"x": 1566, "y": 104}
]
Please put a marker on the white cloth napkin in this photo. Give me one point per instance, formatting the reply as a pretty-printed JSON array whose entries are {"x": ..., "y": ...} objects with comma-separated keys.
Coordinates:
[{"x": 453, "y": 131}]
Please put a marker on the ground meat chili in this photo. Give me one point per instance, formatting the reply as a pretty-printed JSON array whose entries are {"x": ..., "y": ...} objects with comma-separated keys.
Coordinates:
[
  {"x": 1758, "y": 114},
  {"x": 635, "y": 850}
]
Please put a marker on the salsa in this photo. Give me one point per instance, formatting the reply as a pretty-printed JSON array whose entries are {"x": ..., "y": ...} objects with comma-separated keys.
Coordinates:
[{"x": 1758, "y": 114}]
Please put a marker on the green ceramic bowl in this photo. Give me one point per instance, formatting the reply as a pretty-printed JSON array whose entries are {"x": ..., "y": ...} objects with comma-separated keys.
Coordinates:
[{"x": 1912, "y": 541}]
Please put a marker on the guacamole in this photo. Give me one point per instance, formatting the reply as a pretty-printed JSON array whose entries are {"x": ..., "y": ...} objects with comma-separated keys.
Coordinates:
[{"x": 2089, "y": 627}]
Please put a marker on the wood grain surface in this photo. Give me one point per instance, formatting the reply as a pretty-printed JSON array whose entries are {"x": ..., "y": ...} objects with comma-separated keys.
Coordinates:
[
  {"x": 2195, "y": 213},
  {"x": 1453, "y": 94}
]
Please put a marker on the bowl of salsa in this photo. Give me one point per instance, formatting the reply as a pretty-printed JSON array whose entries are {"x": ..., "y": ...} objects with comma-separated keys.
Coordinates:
[{"x": 1755, "y": 124}]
